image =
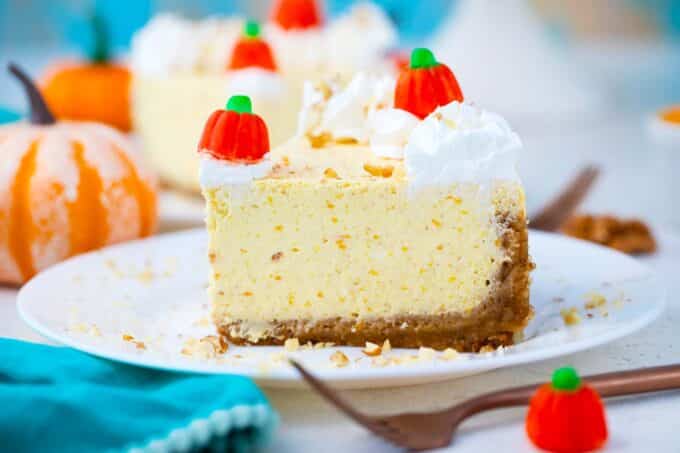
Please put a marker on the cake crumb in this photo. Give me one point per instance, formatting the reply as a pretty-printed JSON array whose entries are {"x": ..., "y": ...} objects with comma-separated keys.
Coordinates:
[
  {"x": 208, "y": 347},
  {"x": 570, "y": 316},
  {"x": 339, "y": 359},
  {"x": 450, "y": 354},
  {"x": 380, "y": 361},
  {"x": 486, "y": 349},
  {"x": 131, "y": 339},
  {"x": 322, "y": 345},
  {"x": 426, "y": 353},
  {"x": 291, "y": 344},
  {"x": 277, "y": 256},
  {"x": 594, "y": 300},
  {"x": 386, "y": 347},
  {"x": 146, "y": 276},
  {"x": 372, "y": 349}
]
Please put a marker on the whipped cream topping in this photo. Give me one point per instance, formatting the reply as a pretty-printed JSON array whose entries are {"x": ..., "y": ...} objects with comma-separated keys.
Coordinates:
[
  {"x": 214, "y": 173},
  {"x": 362, "y": 111},
  {"x": 298, "y": 50},
  {"x": 171, "y": 44},
  {"x": 256, "y": 83},
  {"x": 361, "y": 37},
  {"x": 389, "y": 131},
  {"x": 460, "y": 142}
]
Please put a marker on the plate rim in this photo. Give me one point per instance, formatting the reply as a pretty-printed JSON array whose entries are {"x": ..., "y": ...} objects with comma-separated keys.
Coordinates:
[{"x": 350, "y": 377}]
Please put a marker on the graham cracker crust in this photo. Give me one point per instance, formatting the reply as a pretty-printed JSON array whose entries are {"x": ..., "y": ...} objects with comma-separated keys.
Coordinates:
[{"x": 496, "y": 322}]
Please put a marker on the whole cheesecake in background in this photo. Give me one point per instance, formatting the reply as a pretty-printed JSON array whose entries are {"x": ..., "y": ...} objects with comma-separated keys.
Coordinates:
[
  {"x": 182, "y": 68},
  {"x": 372, "y": 223}
]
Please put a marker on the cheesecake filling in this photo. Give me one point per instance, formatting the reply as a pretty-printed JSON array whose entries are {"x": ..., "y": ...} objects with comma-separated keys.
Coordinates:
[{"x": 364, "y": 226}]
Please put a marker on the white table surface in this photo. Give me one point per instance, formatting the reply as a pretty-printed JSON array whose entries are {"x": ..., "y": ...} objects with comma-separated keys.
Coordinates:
[{"x": 638, "y": 180}]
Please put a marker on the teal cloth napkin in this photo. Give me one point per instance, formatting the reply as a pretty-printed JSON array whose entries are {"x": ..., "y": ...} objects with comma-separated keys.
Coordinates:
[
  {"x": 8, "y": 116},
  {"x": 56, "y": 399}
]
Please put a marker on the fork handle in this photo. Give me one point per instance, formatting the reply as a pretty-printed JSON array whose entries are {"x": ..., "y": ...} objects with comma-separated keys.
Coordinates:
[{"x": 618, "y": 383}]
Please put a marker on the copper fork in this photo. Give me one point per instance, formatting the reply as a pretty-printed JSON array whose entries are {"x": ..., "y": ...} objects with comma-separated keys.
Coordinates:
[
  {"x": 423, "y": 431},
  {"x": 553, "y": 215}
]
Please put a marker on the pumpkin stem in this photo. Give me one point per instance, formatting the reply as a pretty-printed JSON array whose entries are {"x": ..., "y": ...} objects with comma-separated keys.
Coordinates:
[
  {"x": 422, "y": 58},
  {"x": 40, "y": 113},
  {"x": 251, "y": 29},
  {"x": 240, "y": 104},
  {"x": 100, "y": 51},
  {"x": 566, "y": 379}
]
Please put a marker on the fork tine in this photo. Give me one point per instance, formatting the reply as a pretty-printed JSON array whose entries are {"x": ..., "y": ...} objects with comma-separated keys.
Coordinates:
[{"x": 331, "y": 396}]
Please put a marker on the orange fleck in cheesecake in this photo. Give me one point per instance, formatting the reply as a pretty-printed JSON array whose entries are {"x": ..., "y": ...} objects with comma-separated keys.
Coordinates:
[{"x": 392, "y": 215}]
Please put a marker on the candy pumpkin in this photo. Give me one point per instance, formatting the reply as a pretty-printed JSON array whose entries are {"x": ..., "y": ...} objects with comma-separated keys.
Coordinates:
[
  {"x": 97, "y": 90},
  {"x": 425, "y": 85},
  {"x": 235, "y": 134},
  {"x": 296, "y": 14},
  {"x": 66, "y": 188},
  {"x": 566, "y": 416},
  {"x": 251, "y": 50}
]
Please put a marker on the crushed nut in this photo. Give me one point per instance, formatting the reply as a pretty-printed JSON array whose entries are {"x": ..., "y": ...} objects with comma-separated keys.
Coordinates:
[
  {"x": 450, "y": 354},
  {"x": 319, "y": 140},
  {"x": 426, "y": 353},
  {"x": 339, "y": 359},
  {"x": 380, "y": 361},
  {"x": 626, "y": 235},
  {"x": 291, "y": 344},
  {"x": 372, "y": 349},
  {"x": 570, "y": 316},
  {"x": 346, "y": 141},
  {"x": 594, "y": 300},
  {"x": 206, "y": 348}
]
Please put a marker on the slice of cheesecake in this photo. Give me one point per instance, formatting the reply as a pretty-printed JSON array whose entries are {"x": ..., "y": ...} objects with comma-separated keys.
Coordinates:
[{"x": 372, "y": 224}]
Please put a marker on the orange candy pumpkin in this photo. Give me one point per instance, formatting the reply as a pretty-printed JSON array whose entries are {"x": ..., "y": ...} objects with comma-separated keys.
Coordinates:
[
  {"x": 425, "y": 85},
  {"x": 235, "y": 134},
  {"x": 252, "y": 51},
  {"x": 97, "y": 90},
  {"x": 66, "y": 188},
  {"x": 566, "y": 416},
  {"x": 296, "y": 14}
]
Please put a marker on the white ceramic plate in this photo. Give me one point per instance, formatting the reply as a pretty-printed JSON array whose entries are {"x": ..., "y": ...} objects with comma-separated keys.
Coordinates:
[{"x": 154, "y": 290}]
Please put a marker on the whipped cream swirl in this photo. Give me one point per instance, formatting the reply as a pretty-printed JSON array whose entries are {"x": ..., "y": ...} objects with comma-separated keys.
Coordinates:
[
  {"x": 362, "y": 111},
  {"x": 460, "y": 142},
  {"x": 171, "y": 44},
  {"x": 255, "y": 82}
]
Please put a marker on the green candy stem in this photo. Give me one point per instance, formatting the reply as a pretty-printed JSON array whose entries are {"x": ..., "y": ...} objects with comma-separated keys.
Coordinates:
[
  {"x": 100, "y": 53},
  {"x": 240, "y": 104},
  {"x": 566, "y": 379},
  {"x": 252, "y": 29},
  {"x": 422, "y": 58}
]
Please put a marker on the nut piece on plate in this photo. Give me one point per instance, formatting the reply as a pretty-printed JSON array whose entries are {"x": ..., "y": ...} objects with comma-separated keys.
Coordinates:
[{"x": 625, "y": 235}]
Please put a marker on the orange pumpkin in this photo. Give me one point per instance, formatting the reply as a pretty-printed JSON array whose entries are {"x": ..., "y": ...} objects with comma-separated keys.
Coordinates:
[
  {"x": 251, "y": 50},
  {"x": 96, "y": 90},
  {"x": 425, "y": 85},
  {"x": 235, "y": 134},
  {"x": 296, "y": 14},
  {"x": 66, "y": 188},
  {"x": 566, "y": 416}
]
